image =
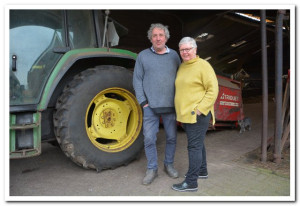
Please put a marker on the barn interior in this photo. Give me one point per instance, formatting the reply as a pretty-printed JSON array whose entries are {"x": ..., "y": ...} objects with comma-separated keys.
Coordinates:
[{"x": 230, "y": 40}]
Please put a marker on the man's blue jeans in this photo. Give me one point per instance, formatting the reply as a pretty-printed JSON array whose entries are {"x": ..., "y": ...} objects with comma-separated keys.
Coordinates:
[
  {"x": 196, "y": 149},
  {"x": 151, "y": 127}
]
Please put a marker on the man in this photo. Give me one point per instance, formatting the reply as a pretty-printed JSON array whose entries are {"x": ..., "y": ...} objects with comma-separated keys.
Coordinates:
[{"x": 154, "y": 84}]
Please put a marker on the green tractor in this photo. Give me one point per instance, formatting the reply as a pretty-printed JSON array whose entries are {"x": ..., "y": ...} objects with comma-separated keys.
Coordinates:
[{"x": 68, "y": 85}]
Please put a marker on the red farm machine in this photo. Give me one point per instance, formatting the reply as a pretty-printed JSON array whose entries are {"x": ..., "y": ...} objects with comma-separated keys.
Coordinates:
[{"x": 229, "y": 104}]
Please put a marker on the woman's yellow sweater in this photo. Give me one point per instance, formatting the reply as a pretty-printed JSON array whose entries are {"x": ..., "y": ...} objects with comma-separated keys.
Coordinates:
[{"x": 196, "y": 88}]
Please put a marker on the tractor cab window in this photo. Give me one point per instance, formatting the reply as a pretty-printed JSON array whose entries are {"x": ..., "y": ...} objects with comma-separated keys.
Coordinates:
[
  {"x": 32, "y": 36},
  {"x": 81, "y": 29}
]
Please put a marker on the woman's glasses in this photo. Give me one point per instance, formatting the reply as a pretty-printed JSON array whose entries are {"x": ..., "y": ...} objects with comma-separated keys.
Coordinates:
[{"x": 185, "y": 50}]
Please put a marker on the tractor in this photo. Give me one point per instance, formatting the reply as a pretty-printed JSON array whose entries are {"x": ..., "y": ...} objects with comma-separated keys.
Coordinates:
[{"x": 69, "y": 86}]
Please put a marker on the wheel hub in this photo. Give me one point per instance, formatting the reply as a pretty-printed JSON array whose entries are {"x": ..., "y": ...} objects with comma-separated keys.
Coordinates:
[{"x": 108, "y": 118}]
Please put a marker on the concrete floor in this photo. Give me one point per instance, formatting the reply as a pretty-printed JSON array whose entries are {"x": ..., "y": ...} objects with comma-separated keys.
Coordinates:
[{"x": 52, "y": 176}]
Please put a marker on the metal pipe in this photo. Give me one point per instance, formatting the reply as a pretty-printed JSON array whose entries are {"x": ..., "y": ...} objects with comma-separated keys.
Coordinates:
[
  {"x": 264, "y": 138},
  {"x": 105, "y": 27},
  {"x": 278, "y": 85}
]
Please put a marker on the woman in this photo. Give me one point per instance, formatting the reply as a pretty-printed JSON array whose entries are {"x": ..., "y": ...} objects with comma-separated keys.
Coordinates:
[{"x": 196, "y": 92}]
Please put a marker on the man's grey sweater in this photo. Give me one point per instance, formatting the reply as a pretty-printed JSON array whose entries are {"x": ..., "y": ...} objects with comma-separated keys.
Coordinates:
[{"x": 154, "y": 79}]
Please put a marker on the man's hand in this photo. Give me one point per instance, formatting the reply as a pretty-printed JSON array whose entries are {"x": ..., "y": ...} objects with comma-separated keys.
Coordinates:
[{"x": 146, "y": 105}]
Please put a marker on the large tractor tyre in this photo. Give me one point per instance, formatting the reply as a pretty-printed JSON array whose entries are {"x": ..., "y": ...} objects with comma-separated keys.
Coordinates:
[{"x": 98, "y": 120}]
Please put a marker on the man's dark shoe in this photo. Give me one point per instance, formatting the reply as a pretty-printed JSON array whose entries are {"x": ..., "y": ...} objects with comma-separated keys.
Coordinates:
[
  {"x": 150, "y": 176},
  {"x": 201, "y": 176},
  {"x": 169, "y": 169},
  {"x": 184, "y": 187}
]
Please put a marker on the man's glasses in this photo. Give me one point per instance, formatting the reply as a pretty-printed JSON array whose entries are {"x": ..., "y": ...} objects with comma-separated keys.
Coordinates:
[{"x": 186, "y": 50}]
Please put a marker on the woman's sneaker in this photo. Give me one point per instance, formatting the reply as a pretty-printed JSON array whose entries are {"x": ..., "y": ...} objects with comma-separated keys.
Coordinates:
[
  {"x": 201, "y": 176},
  {"x": 184, "y": 187}
]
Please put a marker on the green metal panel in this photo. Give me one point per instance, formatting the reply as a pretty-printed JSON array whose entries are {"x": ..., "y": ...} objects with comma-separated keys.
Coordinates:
[
  {"x": 36, "y": 127},
  {"x": 37, "y": 131},
  {"x": 70, "y": 58},
  {"x": 12, "y": 142}
]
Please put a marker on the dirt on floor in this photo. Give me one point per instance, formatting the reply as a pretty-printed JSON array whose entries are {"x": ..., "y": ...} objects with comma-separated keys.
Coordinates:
[
  {"x": 254, "y": 157},
  {"x": 282, "y": 169}
]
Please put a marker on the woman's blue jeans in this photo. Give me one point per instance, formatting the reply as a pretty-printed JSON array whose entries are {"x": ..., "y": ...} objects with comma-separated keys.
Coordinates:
[
  {"x": 150, "y": 129},
  {"x": 196, "y": 133}
]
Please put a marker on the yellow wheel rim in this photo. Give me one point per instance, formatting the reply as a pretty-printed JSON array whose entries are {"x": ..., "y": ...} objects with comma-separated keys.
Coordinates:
[{"x": 113, "y": 120}]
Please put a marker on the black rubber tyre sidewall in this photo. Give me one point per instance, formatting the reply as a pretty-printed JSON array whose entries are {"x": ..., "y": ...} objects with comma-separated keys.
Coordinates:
[{"x": 96, "y": 80}]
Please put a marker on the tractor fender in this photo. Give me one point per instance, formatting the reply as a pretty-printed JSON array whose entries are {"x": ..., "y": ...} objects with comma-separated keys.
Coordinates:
[{"x": 70, "y": 58}]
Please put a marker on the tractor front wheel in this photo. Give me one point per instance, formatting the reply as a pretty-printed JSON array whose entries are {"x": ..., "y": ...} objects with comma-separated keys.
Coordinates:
[{"x": 98, "y": 120}]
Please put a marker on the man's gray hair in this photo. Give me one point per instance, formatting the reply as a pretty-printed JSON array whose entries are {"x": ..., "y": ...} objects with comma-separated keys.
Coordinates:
[
  {"x": 188, "y": 40},
  {"x": 160, "y": 26}
]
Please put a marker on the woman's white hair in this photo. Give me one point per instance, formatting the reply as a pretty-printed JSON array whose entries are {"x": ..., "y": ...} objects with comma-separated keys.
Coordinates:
[
  {"x": 188, "y": 40},
  {"x": 160, "y": 26}
]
